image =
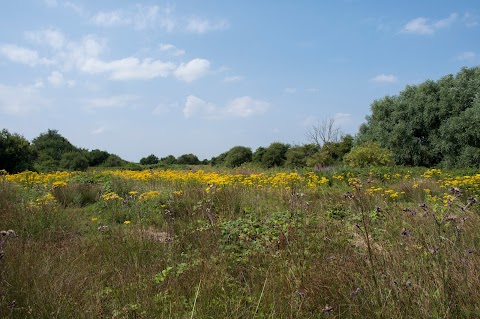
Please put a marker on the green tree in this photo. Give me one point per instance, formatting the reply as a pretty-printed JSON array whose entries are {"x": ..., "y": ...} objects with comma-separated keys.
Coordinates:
[
  {"x": 188, "y": 159},
  {"x": 50, "y": 147},
  {"x": 168, "y": 160},
  {"x": 275, "y": 155},
  {"x": 238, "y": 155},
  {"x": 422, "y": 125},
  {"x": 114, "y": 161},
  {"x": 258, "y": 155},
  {"x": 219, "y": 160},
  {"x": 298, "y": 156},
  {"x": 149, "y": 160},
  {"x": 97, "y": 157},
  {"x": 75, "y": 161},
  {"x": 16, "y": 154}
]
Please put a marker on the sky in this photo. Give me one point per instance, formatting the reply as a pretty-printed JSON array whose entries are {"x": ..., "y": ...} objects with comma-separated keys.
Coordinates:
[{"x": 136, "y": 78}]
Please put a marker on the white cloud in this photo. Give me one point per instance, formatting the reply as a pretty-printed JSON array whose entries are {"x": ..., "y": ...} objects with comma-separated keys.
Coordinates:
[
  {"x": 240, "y": 107},
  {"x": 467, "y": 56},
  {"x": 245, "y": 106},
  {"x": 129, "y": 68},
  {"x": 192, "y": 70},
  {"x": 171, "y": 49},
  {"x": 424, "y": 26},
  {"x": 56, "y": 79},
  {"x": 200, "y": 25},
  {"x": 419, "y": 26},
  {"x": 21, "y": 100},
  {"x": 22, "y": 55},
  {"x": 117, "y": 101},
  {"x": 52, "y": 37},
  {"x": 195, "y": 105},
  {"x": 108, "y": 19},
  {"x": 234, "y": 78},
  {"x": 384, "y": 78},
  {"x": 67, "y": 4},
  {"x": 140, "y": 18}
]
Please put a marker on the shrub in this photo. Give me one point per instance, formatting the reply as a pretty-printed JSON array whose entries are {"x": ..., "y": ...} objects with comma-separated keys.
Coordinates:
[
  {"x": 369, "y": 153},
  {"x": 237, "y": 156}
]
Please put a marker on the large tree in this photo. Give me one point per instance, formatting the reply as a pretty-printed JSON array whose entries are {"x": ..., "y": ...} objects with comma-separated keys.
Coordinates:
[
  {"x": 50, "y": 147},
  {"x": 16, "y": 154},
  {"x": 435, "y": 122}
]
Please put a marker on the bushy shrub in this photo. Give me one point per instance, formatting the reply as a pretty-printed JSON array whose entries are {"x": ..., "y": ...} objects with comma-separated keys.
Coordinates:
[
  {"x": 237, "y": 156},
  {"x": 369, "y": 153}
]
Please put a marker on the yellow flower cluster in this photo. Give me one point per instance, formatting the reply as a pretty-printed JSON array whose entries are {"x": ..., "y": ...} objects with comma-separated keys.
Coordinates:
[
  {"x": 28, "y": 179},
  {"x": 46, "y": 200},
  {"x": 111, "y": 196},
  {"x": 149, "y": 195},
  {"x": 467, "y": 183}
]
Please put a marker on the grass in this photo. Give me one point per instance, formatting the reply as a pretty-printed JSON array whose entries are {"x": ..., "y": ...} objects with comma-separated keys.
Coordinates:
[{"x": 358, "y": 244}]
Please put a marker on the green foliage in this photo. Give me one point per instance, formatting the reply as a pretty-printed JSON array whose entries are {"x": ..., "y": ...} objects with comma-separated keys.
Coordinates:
[
  {"x": 368, "y": 154},
  {"x": 238, "y": 155},
  {"x": 97, "y": 157},
  {"x": 431, "y": 123},
  {"x": 114, "y": 161},
  {"x": 297, "y": 156},
  {"x": 50, "y": 147},
  {"x": 74, "y": 161},
  {"x": 16, "y": 155},
  {"x": 275, "y": 155},
  {"x": 168, "y": 160},
  {"x": 188, "y": 159},
  {"x": 149, "y": 160},
  {"x": 258, "y": 155},
  {"x": 219, "y": 160}
]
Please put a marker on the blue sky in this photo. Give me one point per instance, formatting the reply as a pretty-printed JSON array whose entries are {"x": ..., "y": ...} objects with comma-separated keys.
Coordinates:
[{"x": 141, "y": 77}]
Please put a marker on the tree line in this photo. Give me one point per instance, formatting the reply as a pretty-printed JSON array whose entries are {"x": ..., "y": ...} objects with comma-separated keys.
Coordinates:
[{"x": 435, "y": 123}]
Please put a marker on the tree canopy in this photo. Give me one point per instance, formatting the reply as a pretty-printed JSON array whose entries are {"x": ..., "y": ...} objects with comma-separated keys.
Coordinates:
[
  {"x": 433, "y": 123},
  {"x": 16, "y": 155}
]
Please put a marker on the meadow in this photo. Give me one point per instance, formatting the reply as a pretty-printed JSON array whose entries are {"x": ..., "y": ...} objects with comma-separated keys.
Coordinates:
[{"x": 383, "y": 242}]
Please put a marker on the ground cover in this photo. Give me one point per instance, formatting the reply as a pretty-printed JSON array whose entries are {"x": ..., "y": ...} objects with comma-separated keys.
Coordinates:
[{"x": 340, "y": 243}]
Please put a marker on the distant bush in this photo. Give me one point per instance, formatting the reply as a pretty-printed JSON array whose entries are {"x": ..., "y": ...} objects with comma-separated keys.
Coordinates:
[
  {"x": 369, "y": 153},
  {"x": 149, "y": 160},
  {"x": 237, "y": 156}
]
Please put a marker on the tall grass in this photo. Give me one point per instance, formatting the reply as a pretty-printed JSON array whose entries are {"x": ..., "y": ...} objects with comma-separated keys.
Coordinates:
[{"x": 364, "y": 245}]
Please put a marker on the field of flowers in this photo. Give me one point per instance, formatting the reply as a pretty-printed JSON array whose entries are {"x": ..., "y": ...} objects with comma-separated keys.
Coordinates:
[{"x": 199, "y": 243}]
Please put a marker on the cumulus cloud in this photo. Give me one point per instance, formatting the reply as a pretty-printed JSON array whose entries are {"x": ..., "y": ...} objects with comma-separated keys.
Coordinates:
[
  {"x": 129, "y": 68},
  {"x": 424, "y": 26},
  {"x": 22, "y": 55},
  {"x": 51, "y": 37},
  {"x": 171, "y": 49},
  {"x": 116, "y": 101},
  {"x": 384, "y": 78},
  {"x": 140, "y": 18},
  {"x": 192, "y": 70},
  {"x": 245, "y": 106},
  {"x": 240, "y": 107},
  {"x": 200, "y": 25},
  {"x": 195, "y": 105},
  {"x": 21, "y": 100},
  {"x": 107, "y": 19}
]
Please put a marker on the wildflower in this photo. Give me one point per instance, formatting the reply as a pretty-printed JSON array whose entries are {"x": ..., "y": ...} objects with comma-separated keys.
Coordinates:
[
  {"x": 126, "y": 222},
  {"x": 94, "y": 219}
]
